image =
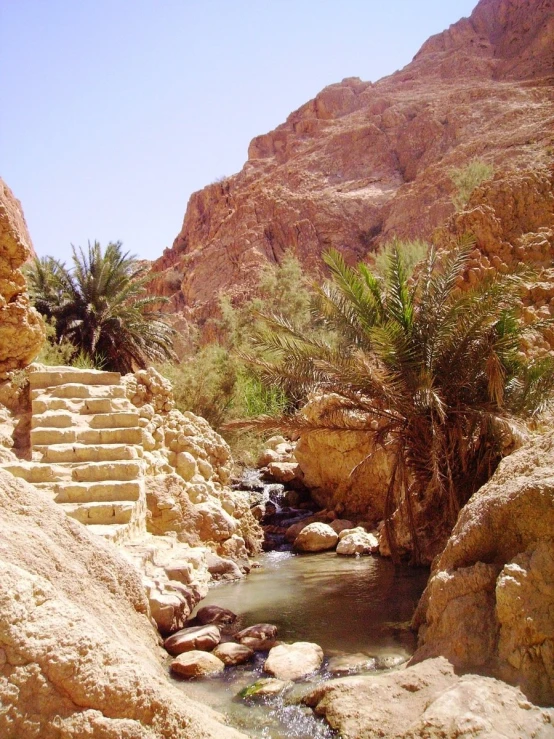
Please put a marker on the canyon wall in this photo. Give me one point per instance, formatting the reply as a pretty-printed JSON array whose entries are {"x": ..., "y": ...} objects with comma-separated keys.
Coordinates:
[
  {"x": 363, "y": 162},
  {"x": 21, "y": 328}
]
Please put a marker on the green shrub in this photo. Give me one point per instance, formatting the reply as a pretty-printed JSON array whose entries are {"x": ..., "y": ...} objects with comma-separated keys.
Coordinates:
[{"x": 466, "y": 179}]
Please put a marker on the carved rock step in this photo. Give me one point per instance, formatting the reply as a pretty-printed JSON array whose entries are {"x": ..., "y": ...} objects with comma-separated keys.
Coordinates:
[
  {"x": 116, "y": 533},
  {"x": 75, "y": 390},
  {"x": 90, "y": 492},
  {"x": 62, "y": 375},
  {"x": 130, "y": 435},
  {"x": 83, "y": 406},
  {"x": 85, "y": 452},
  {"x": 123, "y": 419},
  {"x": 53, "y": 419},
  {"x": 35, "y": 472},
  {"x": 99, "y": 471},
  {"x": 100, "y": 513}
]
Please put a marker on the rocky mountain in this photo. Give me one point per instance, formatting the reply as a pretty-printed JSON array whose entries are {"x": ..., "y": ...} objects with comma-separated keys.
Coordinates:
[{"x": 363, "y": 162}]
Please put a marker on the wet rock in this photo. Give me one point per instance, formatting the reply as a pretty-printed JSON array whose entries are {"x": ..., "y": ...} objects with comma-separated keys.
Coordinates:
[
  {"x": 221, "y": 568},
  {"x": 215, "y": 615},
  {"x": 267, "y": 687},
  {"x": 348, "y": 664},
  {"x": 316, "y": 537},
  {"x": 233, "y": 654},
  {"x": 197, "y": 664},
  {"x": 203, "y": 638},
  {"x": 357, "y": 541},
  {"x": 260, "y": 637},
  {"x": 341, "y": 524},
  {"x": 293, "y": 661},
  {"x": 428, "y": 700}
]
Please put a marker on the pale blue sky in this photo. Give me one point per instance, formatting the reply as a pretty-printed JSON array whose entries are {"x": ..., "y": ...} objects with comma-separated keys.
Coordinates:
[{"x": 115, "y": 111}]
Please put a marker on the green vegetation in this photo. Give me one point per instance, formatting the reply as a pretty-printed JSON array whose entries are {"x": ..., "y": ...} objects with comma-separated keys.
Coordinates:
[
  {"x": 412, "y": 253},
  {"x": 98, "y": 309},
  {"x": 434, "y": 372},
  {"x": 467, "y": 178},
  {"x": 216, "y": 382}
]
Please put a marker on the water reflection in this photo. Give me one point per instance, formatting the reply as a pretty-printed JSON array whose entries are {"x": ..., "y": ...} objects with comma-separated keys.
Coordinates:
[{"x": 344, "y": 604}]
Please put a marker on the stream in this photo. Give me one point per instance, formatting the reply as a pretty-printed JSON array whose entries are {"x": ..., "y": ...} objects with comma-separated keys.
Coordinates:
[{"x": 347, "y": 605}]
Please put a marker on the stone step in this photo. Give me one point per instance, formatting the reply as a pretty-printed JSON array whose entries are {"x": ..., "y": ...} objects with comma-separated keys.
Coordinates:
[
  {"x": 116, "y": 533},
  {"x": 62, "y": 375},
  {"x": 100, "y": 513},
  {"x": 85, "y": 452},
  {"x": 89, "y": 492},
  {"x": 76, "y": 390},
  {"x": 36, "y": 473},
  {"x": 103, "y": 471},
  {"x": 53, "y": 419},
  {"x": 83, "y": 406},
  {"x": 41, "y": 436},
  {"x": 114, "y": 420}
]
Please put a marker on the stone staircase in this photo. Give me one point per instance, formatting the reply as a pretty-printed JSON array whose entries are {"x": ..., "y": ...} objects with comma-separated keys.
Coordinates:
[{"x": 86, "y": 450}]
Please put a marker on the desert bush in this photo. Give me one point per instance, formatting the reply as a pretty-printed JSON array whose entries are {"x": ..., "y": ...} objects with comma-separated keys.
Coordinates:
[
  {"x": 435, "y": 375},
  {"x": 467, "y": 178}
]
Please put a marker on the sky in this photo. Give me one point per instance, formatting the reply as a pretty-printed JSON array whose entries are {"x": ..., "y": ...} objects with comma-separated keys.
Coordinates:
[{"x": 115, "y": 111}]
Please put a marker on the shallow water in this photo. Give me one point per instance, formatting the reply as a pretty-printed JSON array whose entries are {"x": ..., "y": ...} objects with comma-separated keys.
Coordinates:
[{"x": 344, "y": 604}]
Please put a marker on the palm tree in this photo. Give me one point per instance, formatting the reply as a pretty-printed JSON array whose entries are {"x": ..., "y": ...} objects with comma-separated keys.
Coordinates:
[
  {"x": 100, "y": 306},
  {"x": 431, "y": 372}
]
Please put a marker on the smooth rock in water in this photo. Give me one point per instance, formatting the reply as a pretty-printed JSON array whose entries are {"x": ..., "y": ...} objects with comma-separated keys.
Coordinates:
[
  {"x": 197, "y": 664},
  {"x": 347, "y": 664},
  {"x": 341, "y": 524},
  {"x": 294, "y": 529},
  {"x": 265, "y": 688},
  {"x": 233, "y": 654},
  {"x": 293, "y": 661},
  {"x": 429, "y": 700},
  {"x": 358, "y": 542},
  {"x": 203, "y": 638},
  {"x": 259, "y": 637},
  {"x": 316, "y": 537},
  {"x": 215, "y": 615},
  {"x": 221, "y": 568}
]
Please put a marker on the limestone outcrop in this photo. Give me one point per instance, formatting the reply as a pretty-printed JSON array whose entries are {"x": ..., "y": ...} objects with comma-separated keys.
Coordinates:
[
  {"x": 428, "y": 701},
  {"x": 363, "y": 162},
  {"x": 22, "y": 331},
  {"x": 78, "y": 653},
  {"x": 489, "y": 603},
  {"x": 343, "y": 470}
]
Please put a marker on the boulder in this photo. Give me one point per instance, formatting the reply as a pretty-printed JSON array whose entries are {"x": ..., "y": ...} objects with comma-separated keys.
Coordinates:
[
  {"x": 266, "y": 687},
  {"x": 233, "y": 654},
  {"x": 215, "y": 615},
  {"x": 347, "y": 664},
  {"x": 316, "y": 537},
  {"x": 201, "y": 638},
  {"x": 294, "y": 661},
  {"x": 221, "y": 568},
  {"x": 357, "y": 542},
  {"x": 428, "y": 700},
  {"x": 79, "y": 656},
  {"x": 488, "y": 603},
  {"x": 196, "y": 664},
  {"x": 260, "y": 637},
  {"x": 341, "y": 524}
]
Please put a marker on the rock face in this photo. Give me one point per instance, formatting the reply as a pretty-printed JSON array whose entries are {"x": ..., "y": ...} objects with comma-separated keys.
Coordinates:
[
  {"x": 343, "y": 470},
  {"x": 490, "y": 600},
  {"x": 363, "y": 161},
  {"x": 21, "y": 328},
  {"x": 431, "y": 702},
  {"x": 78, "y": 653}
]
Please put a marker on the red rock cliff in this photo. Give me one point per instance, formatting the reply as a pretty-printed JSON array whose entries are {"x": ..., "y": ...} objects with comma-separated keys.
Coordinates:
[{"x": 363, "y": 162}]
